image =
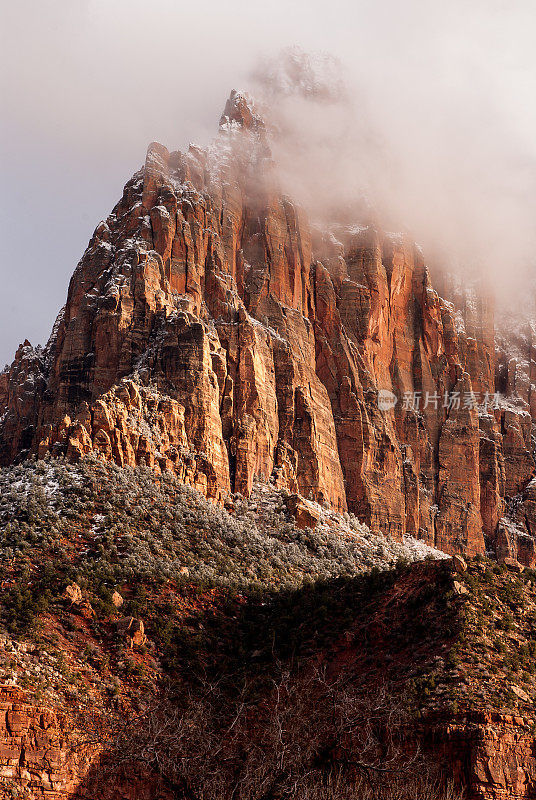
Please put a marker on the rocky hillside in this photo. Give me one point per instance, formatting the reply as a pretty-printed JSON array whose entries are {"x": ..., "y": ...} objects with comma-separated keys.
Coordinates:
[
  {"x": 152, "y": 641},
  {"x": 211, "y": 332},
  {"x": 119, "y": 583}
]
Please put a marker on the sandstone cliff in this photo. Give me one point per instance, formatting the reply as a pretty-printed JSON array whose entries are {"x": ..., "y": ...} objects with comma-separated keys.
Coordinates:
[{"x": 209, "y": 330}]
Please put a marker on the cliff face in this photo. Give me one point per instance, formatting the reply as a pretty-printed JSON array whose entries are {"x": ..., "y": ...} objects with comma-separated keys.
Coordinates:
[
  {"x": 43, "y": 755},
  {"x": 209, "y": 331},
  {"x": 494, "y": 753}
]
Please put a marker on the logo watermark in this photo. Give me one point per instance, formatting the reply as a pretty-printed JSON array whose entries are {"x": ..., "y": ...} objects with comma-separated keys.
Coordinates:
[
  {"x": 421, "y": 401},
  {"x": 386, "y": 400}
]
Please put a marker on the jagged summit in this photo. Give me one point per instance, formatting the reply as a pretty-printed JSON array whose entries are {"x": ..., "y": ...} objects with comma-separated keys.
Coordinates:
[
  {"x": 240, "y": 110},
  {"x": 209, "y": 331}
]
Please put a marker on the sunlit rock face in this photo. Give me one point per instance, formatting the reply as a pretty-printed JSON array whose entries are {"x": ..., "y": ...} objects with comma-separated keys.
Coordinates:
[{"x": 209, "y": 330}]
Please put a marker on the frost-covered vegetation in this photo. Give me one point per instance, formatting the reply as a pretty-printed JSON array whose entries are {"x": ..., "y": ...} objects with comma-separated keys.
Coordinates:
[
  {"x": 107, "y": 524},
  {"x": 239, "y": 606}
]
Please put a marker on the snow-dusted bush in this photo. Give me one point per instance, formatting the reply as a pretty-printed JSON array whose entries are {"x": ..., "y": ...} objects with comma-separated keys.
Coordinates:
[{"x": 111, "y": 523}]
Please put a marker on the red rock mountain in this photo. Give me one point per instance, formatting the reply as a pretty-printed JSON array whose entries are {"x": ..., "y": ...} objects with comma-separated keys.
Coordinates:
[{"x": 210, "y": 331}]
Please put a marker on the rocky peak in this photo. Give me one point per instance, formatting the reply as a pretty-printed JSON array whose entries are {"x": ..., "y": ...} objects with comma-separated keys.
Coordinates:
[
  {"x": 240, "y": 110},
  {"x": 243, "y": 138},
  {"x": 206, "y": 332}
]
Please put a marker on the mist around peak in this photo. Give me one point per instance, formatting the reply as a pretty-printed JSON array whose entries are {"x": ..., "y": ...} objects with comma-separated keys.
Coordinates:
[{"x": 451, "y": 172}]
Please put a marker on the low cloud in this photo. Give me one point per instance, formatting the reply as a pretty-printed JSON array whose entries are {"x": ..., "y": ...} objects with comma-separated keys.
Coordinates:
[{"x": 452, "y": 168}]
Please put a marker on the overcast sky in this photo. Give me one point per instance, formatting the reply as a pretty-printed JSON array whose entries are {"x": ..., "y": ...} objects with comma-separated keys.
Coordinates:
[{"x": 87, "y": 84}]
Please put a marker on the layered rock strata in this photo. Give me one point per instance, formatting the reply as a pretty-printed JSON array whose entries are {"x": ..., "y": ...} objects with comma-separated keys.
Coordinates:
[{"x": 45, "y": 756}]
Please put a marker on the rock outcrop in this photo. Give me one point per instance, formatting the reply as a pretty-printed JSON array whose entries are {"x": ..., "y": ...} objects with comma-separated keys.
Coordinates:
[
  {"x": 43, "y": 754},
  {"x": 491, "y": 753},
  {"x": 210, "y": 331}
]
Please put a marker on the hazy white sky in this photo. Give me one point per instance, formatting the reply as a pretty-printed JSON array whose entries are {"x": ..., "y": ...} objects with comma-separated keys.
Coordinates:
[{"x": 86, "y": 84}]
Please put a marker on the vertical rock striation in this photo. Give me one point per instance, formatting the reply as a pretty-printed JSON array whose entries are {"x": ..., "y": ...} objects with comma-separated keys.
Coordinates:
[{"x": 208, "y": 330}]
